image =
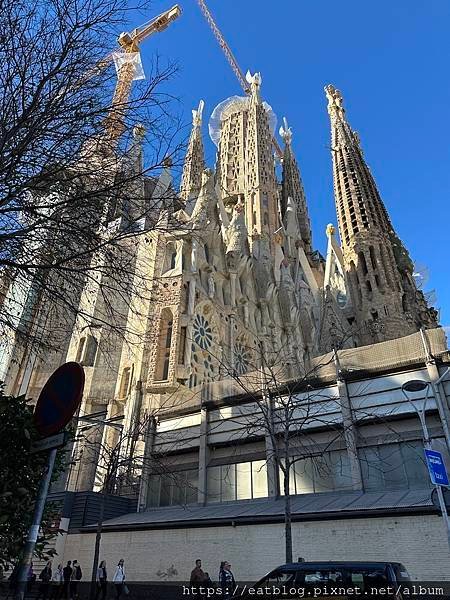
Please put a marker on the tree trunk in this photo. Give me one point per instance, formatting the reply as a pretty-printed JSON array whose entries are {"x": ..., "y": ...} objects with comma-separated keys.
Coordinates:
[
  {"x": 98, "y": 539},
  {"x": 287, "y": 513}
]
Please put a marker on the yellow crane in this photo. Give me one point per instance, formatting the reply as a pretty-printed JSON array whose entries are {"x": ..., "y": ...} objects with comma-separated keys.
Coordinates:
[
  {"x": 231, "y": 60},
  {"x": 129, "y": 42}
]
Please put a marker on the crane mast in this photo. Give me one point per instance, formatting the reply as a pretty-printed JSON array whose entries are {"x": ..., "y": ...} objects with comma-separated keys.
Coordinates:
[
  {"x": 114, "y": 121},
  {"x": 225, "y": 47},
  {"x": 231, "y": 60}
]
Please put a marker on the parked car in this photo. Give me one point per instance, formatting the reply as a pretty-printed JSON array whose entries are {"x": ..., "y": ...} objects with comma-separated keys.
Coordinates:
[{"x": 340, "y": 579}]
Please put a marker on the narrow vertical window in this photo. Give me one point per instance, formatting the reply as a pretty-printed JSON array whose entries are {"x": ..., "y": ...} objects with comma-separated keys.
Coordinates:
[
  {"x": 182, "y": 346},
  {"x": 80, "y": 350},
  {"x": 125, "y": 382},
  {"x": 164, "y": 344}
]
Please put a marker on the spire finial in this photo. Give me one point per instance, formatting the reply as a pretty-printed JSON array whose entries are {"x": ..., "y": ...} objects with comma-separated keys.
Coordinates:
[
  {"x": 138, "y": 132},
  {"x": 335, "y": 101},
  {"x": 330, "y": 230},
  {"x": 286, "y": 132},
  {"x": 197, "y": 114},
  {"x": 255, "y": 82}
]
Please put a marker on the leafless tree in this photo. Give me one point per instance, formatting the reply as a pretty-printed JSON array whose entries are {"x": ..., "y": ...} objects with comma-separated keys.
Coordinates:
[
  {"x": 120, "y": 454},
  {"x": 75, "y": 182}
]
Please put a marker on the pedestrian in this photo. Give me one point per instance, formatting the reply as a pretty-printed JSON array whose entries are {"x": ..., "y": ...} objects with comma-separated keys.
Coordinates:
[
  {"x": 226, "y": 580},
  {"x": 57, "y": 583},
  {"x": 67, "y": 576},
  {"x": 75, "y": 579},
  {"x": 220, "y": 571},
  {"x": 13, "y": 580},
  {"x": 45, "y": 576},
  {"x": 31, "y": 578},
  {"x": 197, "y": 574},
  {"x": 119, "y": 579},
  {"x": 208, "y": 582},
  {"x": 102, "y": 581}
]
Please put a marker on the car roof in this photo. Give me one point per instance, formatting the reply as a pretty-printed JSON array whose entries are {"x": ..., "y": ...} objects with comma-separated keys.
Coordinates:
[{"x": 333, "y": 563}]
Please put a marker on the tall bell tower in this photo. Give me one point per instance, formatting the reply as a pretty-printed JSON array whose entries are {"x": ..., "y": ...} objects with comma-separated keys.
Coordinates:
[{"x": 385, "y": 298}]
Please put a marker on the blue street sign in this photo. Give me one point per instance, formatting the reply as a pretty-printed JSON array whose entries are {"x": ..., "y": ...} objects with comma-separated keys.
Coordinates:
[{"x": 436, "y": 467}]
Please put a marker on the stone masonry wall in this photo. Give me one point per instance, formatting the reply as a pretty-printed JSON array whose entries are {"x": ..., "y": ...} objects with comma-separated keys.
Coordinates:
[{"x": 419, "y": 542}]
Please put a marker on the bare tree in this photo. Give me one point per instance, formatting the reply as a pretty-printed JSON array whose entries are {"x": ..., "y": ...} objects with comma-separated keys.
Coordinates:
[
  {"x": 76, "y": 184},
  {"x": 282, "y": 407},
  {"x": 121, "y": 454}
]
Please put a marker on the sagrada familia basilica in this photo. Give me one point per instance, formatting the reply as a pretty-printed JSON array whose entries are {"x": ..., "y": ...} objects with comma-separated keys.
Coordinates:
[
  {"x": 234, "y": 287},
  {"x": 236, "y": 281}
]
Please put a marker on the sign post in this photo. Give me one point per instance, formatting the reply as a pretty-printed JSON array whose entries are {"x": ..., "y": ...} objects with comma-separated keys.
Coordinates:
[
  {"x": 57, "y": 403},
  {"x": 439, "y": 478}
]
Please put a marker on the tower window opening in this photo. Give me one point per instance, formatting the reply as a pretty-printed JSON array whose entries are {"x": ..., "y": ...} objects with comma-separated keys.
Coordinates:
[
  {"x": 90, "y": 351},
  {"x": 368, "y": 286},
  {"x": 170, "y": 258},
  {"x": 206, "y": 249},
  {"x": 405, "y": 303},
  {"x": 125, "y": 382},
  {"x": 164, "y": 345},
  {"x": 80, "y": 350},
  {"x": 377, "y": 280},
  {"x": 363, "y": 263}
]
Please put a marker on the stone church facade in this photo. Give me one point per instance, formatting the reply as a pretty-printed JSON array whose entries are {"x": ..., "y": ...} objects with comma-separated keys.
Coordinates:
[{"x": 234, "y": 289}]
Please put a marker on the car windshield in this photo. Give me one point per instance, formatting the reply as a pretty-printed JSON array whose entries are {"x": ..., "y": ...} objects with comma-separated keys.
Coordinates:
[
  {"x": 276, "y": 577},
  {"x": 401, "y": 573}
]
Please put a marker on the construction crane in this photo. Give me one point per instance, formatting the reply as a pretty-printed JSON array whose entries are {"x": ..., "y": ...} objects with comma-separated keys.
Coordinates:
[
  {"x": 129, "y": 42},
  {"x": 231, "y": 60}
]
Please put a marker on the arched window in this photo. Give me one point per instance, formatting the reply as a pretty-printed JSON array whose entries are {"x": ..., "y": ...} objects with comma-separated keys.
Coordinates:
[
  {"x": 362, "y": 261},
  {"x": 80, "y": 350},
  {"x": 125, "y": 382},
  {"x": 164, "y": 344},
  {"x": 170, "y": 258},
  {"x": 373, "y": 258}
]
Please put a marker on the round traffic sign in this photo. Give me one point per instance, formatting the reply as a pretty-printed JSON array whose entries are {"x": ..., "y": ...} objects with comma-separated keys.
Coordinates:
[{"x": 59, "y": 398}]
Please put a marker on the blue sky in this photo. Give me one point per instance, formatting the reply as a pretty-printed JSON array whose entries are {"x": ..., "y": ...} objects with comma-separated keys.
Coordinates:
[{"x": 391, "y": 61}]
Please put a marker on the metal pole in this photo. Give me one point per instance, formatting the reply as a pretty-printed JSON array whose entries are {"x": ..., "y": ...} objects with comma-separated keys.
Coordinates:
[
  {"x": 441, "y": 401},
  {"x": 33, "y": 532},
  {"x": 427, "y": 443}
]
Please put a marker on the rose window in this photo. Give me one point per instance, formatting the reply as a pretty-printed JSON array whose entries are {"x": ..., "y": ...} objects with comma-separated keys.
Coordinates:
[
  {"x": 242, "y": 358},
  {"x": 202, "y": 332}
]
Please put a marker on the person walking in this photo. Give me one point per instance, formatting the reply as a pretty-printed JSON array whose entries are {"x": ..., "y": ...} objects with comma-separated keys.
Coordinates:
[
  {"x": 102, "y": 581},
  {"x": 57, "y": 583},
  {"x": 197, "y": 574},
  {"x": 31, "y": 578},
  {"x": 226, "y": 580},
  {"x": 119, "y": 579},
  {"x": 67, "y": 576},
  {"x": 45, "y": 576},
  {"x": 75, "y": 579}
]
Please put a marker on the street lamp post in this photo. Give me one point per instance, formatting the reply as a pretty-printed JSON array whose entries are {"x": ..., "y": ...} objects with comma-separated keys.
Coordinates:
[{"x": 414, "y": 386}]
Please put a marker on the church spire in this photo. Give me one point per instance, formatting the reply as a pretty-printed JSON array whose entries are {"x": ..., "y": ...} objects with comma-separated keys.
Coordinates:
[
  {"x": 194, "y": 164},
  {"x": 261, "y": 197},
  {"x": 292, "y": 187},
  {"x": 386, "y": 301}
]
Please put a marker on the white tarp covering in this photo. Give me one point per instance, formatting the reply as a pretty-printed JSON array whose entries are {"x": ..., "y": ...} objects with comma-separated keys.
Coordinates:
[
  {"x": 122, "y": 58},
  {"x": 230, "y": 106}
]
